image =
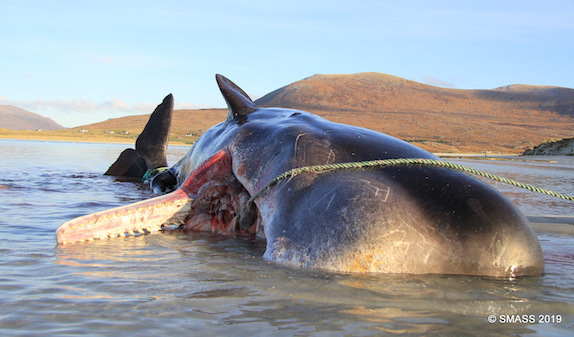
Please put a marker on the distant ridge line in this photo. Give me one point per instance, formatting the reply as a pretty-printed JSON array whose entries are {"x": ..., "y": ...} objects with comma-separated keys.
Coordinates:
[
  {"x": 506, "y": 119},
  {"x": 15, "y": 118}
]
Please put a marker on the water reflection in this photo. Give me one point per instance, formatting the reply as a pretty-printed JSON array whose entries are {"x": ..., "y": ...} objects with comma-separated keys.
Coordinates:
[
  {"x": 226, "y": 282},
  {"x": 179, "y": 284}
]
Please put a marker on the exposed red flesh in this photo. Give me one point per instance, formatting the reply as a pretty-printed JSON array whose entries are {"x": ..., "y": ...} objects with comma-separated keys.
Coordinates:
[{"x": 199, "y": 197}]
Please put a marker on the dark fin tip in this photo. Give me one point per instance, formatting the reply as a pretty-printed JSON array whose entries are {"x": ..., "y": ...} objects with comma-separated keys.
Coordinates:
[
  {"x": 238, "y": 102},
  {"x": 152, "y": 142}
]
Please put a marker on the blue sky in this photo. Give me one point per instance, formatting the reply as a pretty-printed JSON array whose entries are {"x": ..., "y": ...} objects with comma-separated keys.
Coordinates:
[{"x": 80, "y": 62}]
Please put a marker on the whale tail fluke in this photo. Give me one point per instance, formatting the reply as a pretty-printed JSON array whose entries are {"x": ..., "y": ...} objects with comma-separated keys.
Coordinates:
[{"x": 151, "y": 145}]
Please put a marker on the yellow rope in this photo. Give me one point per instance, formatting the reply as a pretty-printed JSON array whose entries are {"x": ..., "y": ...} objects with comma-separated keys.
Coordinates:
[{"x": 398, "y": 162}]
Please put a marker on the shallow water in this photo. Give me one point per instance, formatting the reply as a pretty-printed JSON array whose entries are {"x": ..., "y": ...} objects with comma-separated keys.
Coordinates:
[
  {"x": 553, "y": 173},
  {"x": 170, "y": 284}
]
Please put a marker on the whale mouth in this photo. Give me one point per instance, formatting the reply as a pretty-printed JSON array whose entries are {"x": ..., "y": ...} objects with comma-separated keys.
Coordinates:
[{"x": 211, "y": 199}]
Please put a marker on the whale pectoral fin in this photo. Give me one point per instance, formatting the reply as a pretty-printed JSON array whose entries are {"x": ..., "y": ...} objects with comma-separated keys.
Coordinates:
[
  {"x": 238, "y": 102},
  {"x": 151, "y": 145}
]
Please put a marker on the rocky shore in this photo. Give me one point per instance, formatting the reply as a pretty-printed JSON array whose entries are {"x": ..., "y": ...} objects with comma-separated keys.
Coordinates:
[{"x": 564, "y": 147}]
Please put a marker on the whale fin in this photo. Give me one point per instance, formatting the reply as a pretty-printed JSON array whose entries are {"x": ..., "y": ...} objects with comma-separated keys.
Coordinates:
[
  {"x": 238, "y": 102},
  {"x": 152, "y": 142},
  {"x": 129, "y": 164},
  {"x": 151, "y": 145}
]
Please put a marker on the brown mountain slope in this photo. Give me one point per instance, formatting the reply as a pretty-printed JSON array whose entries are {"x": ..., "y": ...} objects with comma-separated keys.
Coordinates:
[
  {"x": 186, "y": 125},
  {"x": 14, "y": 118},
  {"x": 507, "y": 119}
]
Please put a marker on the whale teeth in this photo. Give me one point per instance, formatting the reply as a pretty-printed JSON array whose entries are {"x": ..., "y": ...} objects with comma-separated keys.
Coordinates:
[{"x": 140, "y": 213}]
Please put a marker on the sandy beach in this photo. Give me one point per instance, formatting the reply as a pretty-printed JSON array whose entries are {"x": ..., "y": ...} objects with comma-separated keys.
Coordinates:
[{"x": 69, "y": 135}]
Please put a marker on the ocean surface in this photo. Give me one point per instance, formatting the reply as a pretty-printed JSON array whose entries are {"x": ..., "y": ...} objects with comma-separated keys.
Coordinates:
[{"x": 169, "y": 284}]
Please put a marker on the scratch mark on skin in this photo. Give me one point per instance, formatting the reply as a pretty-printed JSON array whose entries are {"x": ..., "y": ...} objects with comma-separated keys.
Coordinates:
[
  {"x": 494, "y": 246},
  {"x": 385, "y": 190},
  {"x": 428, "y": 254},
  {"x": 331, "y": 193},
  {"x": 330, "y": 201},
  {"x": 296, "y": 142},
  {"x": 331, "y": 157}
]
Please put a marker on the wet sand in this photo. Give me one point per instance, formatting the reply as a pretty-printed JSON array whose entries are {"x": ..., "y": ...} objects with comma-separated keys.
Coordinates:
[{"x": 76, "y": 138}]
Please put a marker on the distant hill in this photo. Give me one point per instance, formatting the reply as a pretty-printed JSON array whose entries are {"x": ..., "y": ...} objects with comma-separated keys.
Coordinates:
[
  {"x": 507, "y": 119},
  {"x": 14, "y": 118},
  {"x": 184, "y": 122},
  {"x": 378, "y": 92}
]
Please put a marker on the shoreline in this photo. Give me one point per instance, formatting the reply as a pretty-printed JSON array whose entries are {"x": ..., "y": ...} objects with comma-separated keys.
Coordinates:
[
  {"x": 49, "y": 136},
  {"x": 73, "y": 138},
  {"x": 507, "y": 157},
  {"x": 554, "y": 224},
  {"x": 82, "y": 140}
]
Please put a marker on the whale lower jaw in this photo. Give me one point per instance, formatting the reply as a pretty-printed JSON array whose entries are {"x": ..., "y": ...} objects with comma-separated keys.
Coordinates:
[{"x": 209, "y": 200}]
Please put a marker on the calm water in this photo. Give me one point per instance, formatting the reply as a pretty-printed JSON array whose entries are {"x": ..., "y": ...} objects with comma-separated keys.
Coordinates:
[{"x": 174, "y": 284}]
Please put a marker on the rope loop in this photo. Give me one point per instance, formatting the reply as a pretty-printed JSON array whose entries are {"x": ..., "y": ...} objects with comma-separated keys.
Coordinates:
[{"x": 153, "y": 172}]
